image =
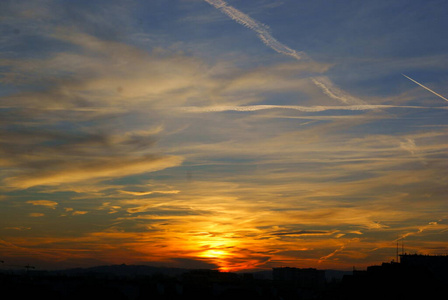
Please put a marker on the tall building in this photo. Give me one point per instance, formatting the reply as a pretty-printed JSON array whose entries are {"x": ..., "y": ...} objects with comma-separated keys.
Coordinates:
[{"x": 437, "y": 265}]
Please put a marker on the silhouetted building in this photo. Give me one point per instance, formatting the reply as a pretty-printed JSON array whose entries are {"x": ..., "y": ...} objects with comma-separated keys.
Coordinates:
[
  {"x": 394, "y": 280},
  {"x": 436, "y": 264}
]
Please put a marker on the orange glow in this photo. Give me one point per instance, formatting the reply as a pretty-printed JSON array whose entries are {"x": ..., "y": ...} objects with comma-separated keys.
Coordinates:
[
  {"x": 219, "y": 254},
  {"x": 221, "y": 258}
]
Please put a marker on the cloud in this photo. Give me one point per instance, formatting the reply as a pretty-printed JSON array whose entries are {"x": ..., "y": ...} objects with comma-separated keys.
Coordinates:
[
  {"x": 301, "y": 233},
  {"x": 47, "y": 203},
  {"x": 409, "y": 145},
  {"x": 142, "y": 193},
  {"x": 36, "y": 215},
  {"x": 106, "y": 83},
  {"x": 104, "y": 77},
  {"x": 35, "y": 157},
  {"x": 105, "y": 168},
  {"x": 430, "y": 226},
  {"x": 76, "y": 213}
]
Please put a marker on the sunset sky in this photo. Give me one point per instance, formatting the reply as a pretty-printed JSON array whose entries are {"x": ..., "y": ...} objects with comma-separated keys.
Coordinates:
[{"x": 222, "y": 134}]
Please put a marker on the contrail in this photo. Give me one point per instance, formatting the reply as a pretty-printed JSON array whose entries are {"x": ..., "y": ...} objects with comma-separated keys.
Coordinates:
[
  {"x": 250, "y": 108},
  {"x": 331, "y": 254},
  {"x": 265, "y": 36},
  {"x": 328, "y": 88},
  {"x": 425, "y": 87},
  {"x": 261, "y": 29}
]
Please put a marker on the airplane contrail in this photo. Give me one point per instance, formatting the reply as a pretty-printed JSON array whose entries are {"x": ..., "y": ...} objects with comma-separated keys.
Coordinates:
[
  {"x": 261, "y": 29},
  {"x": 265, "y": 36},
  {"x": 328, "y": 88},
  {"x": 251, "y": 108},
  {"x": 425, "y": 87}
]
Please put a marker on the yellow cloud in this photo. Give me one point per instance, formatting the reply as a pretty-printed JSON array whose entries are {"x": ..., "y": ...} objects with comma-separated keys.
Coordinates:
[
  {"x": 76, "y": 213},
  {"x": 47, "y": 203},
  {"x": 36, "y": 215}
]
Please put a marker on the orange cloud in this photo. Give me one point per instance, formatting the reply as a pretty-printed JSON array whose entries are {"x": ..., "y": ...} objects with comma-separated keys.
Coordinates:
[{"x": 47, "y": 203}]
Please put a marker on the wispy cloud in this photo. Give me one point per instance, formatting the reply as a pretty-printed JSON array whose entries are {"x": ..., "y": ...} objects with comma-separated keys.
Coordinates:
[
  {"x": 144, "y": 193},
  {"x": 75, "y": 171},
  {"x": 431, "y": 226},
  {"x": 47, "y": 203},
  {"x": 301, "y": 233}
]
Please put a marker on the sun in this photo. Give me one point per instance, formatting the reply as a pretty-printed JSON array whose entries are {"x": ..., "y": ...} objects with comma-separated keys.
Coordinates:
[
  {"x": 220, "y": 257},
  {"x": 213, "y": 253}
]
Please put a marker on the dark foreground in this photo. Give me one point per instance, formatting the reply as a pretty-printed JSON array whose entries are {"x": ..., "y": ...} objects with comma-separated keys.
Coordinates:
[{"x": 388, "y": 281}]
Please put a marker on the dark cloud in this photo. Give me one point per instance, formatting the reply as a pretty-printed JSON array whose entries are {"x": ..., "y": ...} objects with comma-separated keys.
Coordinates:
[
  {"x": 43, "y": 156},
  {"x": 302, "y": 232}
]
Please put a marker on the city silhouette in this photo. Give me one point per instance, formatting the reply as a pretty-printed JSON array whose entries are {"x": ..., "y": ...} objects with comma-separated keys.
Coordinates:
[{"x": 421, "y": 276}]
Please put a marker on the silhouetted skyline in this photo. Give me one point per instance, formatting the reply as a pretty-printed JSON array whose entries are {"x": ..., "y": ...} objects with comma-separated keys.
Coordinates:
[{"x": 418, "y": 275}]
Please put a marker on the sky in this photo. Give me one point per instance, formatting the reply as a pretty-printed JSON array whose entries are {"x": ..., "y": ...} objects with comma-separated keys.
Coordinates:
[{"x": 233, "y": 135}]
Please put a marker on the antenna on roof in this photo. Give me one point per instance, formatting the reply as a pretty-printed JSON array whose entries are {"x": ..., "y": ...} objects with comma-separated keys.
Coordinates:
[
  {"x": 397, "y": 248},
  {"x": 402, "y": 246}
]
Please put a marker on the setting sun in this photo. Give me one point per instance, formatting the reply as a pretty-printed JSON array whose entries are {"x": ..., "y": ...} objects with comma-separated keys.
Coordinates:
[{"x": 219, "y": 254}]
